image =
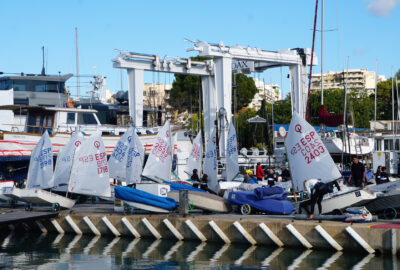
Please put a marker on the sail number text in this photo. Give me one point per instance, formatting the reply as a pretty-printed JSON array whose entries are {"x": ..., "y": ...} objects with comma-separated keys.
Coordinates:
[{"x": 309, "y": 147}]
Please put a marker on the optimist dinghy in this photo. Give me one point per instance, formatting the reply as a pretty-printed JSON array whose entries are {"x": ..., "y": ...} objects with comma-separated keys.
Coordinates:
[
  {"x": 39, "y": 178},
  {"x": 127, "y": 158},
  {"x": 232, "y": 166},
  {"x": 158, "y": 168},
  {"x": 310, "y": 159},
  {"x": 89, "y": 172},
  {"x": 144, "y": 200}
]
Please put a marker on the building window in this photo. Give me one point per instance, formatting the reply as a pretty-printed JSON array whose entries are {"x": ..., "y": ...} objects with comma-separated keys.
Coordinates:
[
  {"x": 86, "y": 119},
  {"x": 70, "y": 118}
]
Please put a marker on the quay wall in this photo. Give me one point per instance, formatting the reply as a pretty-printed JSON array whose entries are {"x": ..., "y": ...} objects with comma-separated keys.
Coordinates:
[{"x": 228, "y": 228}]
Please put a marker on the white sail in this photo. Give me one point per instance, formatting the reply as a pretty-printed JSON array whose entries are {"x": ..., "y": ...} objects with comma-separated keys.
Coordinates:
[
  {"x": 135, "y": 158},
  {"x": 158, "y": 165},
  {"x": 308, "y": 156},
  {"x": 210, "y": 162},
  {"x": 117, "y": 161},
  {"x": 40, "y": 170},
  {"x": 232, "y": 163},
  {"x": 89, "y": 173},
  {"x": 196, "y": 154},
  {"x": 64, "y": 161}
]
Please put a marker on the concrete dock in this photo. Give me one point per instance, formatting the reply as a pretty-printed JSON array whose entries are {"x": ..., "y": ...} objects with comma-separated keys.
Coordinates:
[{"x": 100, "y": 219}]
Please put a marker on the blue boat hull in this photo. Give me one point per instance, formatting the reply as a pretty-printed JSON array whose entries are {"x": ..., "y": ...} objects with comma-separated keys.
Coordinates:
[{"x": 139, "y": 196}]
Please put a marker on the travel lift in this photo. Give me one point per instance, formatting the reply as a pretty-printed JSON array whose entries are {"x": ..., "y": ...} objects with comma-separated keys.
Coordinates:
[{"x": 216, "y": 77}]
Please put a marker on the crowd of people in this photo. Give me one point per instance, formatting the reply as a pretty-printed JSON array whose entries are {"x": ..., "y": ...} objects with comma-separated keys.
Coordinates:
[{"x": 248, "y": 177}]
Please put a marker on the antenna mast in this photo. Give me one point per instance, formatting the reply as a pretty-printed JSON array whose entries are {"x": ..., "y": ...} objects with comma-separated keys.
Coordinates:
[
  {"x": 43, "y": 73},
  {"x": 78, "y": 90}
]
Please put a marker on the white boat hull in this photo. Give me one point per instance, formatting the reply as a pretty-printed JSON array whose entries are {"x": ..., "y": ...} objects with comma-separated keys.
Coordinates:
[
  {"x": 21, "y": 144},
  {"x": 146, "y": 207},
  {"x": 38, "y": 197},
  {"x": 345, "y": 200},
  {"x": 5, "y": 184},
  {"x": 203, "y": 200},
  {"x": 357, "y": 146},
  {"x": 388, "y": 200}
]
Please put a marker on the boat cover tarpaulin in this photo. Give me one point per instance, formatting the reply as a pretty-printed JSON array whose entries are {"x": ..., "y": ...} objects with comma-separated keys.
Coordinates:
[
  {"x": 270, "y": 206},
  {"x": 276, "y": 193},
  {"x": 328, "y": 119},
  {"x": 179, "y": 186},
  {"x": 140, "y": 196}
]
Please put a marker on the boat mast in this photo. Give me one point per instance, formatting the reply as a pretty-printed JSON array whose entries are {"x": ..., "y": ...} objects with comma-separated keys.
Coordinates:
[
  {"x": 345, "y": 114},
  {"x": 376, "y": 90},
  {"x": 78, "y": 90},
  {"x": 393, "y": 144},
  {"x": 322, "y": 52}
]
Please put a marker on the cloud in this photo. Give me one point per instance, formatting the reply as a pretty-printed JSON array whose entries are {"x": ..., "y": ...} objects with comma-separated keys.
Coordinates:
[{"x": 382, "y": 8}]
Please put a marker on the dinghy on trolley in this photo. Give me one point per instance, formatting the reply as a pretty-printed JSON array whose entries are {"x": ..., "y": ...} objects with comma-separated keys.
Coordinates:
[
  {"x": 310, "y": 159},
  {"x": 157, "y": 169},
  {"x": 40, "y": 177}
]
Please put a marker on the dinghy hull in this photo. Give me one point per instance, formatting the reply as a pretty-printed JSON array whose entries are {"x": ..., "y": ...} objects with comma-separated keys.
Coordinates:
[
  {"x": 39, "y": 197},
  {"x": 144, "y": 200},
  {"x": 203, "y": 200}
]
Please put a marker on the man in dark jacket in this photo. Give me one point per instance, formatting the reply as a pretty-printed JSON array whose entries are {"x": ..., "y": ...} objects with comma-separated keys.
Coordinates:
[
  {"x": 195, "y": 179},
  {"x": 319, "y": 191},
  {"x": 384, "y": 177},
  {"x": 357, "y": 173}
]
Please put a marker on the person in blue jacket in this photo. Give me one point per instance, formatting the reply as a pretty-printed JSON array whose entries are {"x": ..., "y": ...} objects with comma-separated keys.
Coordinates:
[
  {"x": 378, "y": 174},
  {"x": 384, "y": 177}
]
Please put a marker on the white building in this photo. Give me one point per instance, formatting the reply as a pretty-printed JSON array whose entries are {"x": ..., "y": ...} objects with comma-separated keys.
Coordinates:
[
  {"x": 271, "y": 93},
  {"x": 360, "y": 79}
]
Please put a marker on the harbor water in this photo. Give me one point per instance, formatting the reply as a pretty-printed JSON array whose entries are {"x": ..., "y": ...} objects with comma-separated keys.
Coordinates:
[{"x": 52, "y": 251}]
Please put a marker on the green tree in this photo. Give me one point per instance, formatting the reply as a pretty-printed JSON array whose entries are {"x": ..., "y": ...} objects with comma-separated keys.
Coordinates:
[
  {"x": 246, "y": 89},
  {"x": 283, "y": 110},
  {"x": 185, "y": 93}
]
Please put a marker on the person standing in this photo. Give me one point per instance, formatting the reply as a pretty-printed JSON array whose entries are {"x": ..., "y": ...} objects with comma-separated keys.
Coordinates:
[
  {"x": 378, "y": 175},
  {"x": 285, "y": 174},
  {"x": 204, "y": 182},
  {"x": 246, "y": 177},
  {"x": 271, "y": 177},
  {"x": 384, "y": 177},
  {"x": 357, "y": 173},
  {"x": 259, "y": 172},
  {"x": 195, "y": 179}
]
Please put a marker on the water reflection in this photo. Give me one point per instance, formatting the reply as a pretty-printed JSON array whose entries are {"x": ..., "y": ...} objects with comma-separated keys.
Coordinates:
[{"x": 50, "y": 251}]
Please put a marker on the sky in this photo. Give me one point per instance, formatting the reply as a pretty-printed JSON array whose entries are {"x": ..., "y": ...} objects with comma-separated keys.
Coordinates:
[{"x": 364, "y": 31}]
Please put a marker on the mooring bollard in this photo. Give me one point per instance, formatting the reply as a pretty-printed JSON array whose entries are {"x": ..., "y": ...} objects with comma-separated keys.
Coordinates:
[{"x": 183, "y": 202}]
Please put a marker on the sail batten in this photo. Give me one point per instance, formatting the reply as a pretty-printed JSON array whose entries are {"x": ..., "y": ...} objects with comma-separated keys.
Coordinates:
[{"x": 308, "y": 156}]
